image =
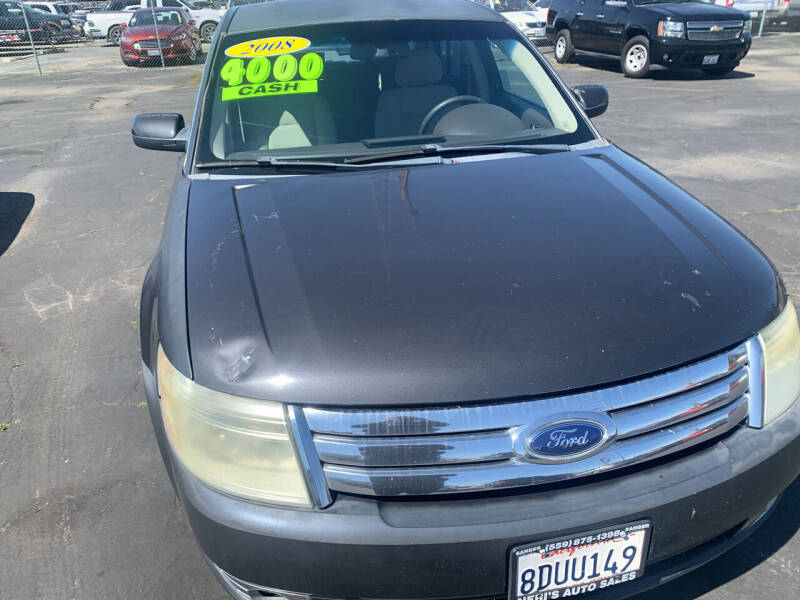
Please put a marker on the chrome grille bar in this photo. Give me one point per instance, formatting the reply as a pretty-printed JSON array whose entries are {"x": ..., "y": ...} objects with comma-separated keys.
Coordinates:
[
  {"x": 656, "y": 415},
  {"x": 515, "y": 473},
  {"x": 413, "y": 451},
  {"x": 708, "y": 25},
  {"x": 439, "y": 450},
  {"x": 708, "y": 31},
  {"x": 486, "y": 417}
]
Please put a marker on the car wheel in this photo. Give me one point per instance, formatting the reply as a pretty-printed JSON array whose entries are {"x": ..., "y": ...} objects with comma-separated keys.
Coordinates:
[
  {"x": 635, "y": 60},
  {"x": 207, "y": 31},
  {"x": 50, "y": 35},
  {"x": 129, "y": 63},
  {"x": 717, "y": 71},
  {"x": 562, "y": 46},
  {"x": 193, "y": 53},
  {"x": 114, "y": 35}
]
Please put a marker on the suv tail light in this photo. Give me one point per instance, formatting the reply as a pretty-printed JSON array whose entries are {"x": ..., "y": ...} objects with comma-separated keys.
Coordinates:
[
  {"x": 192, "y": 22},
  {"x": 729, "y": 3}
]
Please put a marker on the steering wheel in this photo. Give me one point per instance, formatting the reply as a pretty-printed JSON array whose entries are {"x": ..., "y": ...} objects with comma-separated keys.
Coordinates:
[{"x": 444, "y": 104}]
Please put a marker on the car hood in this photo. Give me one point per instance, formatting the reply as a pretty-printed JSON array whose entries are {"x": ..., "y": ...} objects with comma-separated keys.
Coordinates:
[
  {"x": 697, "y": 9},
  {"x": 149, "y": 31},
  {"x": 453, "y": 283}
]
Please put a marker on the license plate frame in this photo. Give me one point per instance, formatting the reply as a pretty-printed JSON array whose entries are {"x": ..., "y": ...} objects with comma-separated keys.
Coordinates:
[
  {"x": 641, "y": 530},
  {"x": 710, "y": 59}
]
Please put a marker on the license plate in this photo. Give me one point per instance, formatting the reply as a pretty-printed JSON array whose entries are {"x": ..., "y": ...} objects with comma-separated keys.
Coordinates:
[
  {"x": 154, "y": 53},
  {"x": 537, "y": 32},
  {"x": 579, "y": 564},
  {"x": 710, "y": 59}
]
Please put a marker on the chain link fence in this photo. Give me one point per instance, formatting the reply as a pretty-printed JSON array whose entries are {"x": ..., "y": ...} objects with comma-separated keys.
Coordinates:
[{"x": 26, "y": 35}]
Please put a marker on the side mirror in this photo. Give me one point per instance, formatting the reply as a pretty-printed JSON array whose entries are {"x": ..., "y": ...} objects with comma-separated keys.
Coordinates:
[
  {"x": 159, "y": 131},
  {"x": 593, "y": 99}
]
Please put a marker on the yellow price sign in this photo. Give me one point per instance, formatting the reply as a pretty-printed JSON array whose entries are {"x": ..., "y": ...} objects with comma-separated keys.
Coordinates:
[{"x": 264, "y": 77}]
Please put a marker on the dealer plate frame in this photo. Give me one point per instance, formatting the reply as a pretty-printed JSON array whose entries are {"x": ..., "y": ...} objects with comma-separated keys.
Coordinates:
[{"x": 513, "y": 555}]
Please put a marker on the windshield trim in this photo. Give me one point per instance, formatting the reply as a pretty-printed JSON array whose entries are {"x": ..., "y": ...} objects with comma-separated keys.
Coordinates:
[{"x": 202, "y": 103}]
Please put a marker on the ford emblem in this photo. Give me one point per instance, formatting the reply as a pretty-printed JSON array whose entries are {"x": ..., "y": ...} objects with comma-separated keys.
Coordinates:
[{"x": 566, "y": 439}]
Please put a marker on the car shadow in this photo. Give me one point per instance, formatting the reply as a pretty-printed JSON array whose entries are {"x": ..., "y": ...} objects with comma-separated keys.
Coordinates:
[
  {"x": 657, "y": 72},
  {"x": 768, "y": 539},
  {"x": 14, "y": 209}
]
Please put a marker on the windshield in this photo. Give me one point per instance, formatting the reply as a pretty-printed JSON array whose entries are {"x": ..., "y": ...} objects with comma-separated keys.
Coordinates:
[
  {"x": 163, "y": 17},
  {"x": 352, "y": 89}
]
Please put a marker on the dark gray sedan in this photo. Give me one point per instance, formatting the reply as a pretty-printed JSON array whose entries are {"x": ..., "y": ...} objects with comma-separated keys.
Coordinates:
[{"x": 416, "y": 330}]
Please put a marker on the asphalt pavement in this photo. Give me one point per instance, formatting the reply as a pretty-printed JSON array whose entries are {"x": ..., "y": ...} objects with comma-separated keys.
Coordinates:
[{"x": 86, "y": 509}]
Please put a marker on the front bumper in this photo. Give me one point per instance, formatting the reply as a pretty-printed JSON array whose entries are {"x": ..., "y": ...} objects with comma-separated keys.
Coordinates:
[
  {"x": 685, "y": 53},
  {"x": 535, "y": 33},
  {"x": 173, "y": 52},
  {"x": 700, "y": 504}
]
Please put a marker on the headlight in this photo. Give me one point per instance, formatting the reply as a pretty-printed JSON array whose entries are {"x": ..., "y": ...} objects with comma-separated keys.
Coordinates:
[
  {"x": 670, "y": 29},
  {"x": 748, "y": 27},
  {"x": 137, "y": 46},
  {"x": 90, "y": 23},
  {"x": 781, "y": 342},
  {"x": 125, "y": 39},
  {"x": 180, "y": 36},
  {"x": 237, "y": 445}
]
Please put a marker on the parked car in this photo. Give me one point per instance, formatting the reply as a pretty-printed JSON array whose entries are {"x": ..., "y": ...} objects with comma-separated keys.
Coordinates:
[
  {"x": 45, "y": 28},
  {"x": 72, "y": 10},
  {"x": 110, "y": 22},
  {"x": 225, "y": 5},
  {"x": 171, "y": 33},
  {"x": 530, "y": 17},
  {"x": 775, "y": 8},
  {"x": 649, "y": 32},
  {"x": 415, "y": 329}
]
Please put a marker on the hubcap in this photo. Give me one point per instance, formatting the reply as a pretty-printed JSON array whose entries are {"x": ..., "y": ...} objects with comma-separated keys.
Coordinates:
[
  {"x": 636, "y": 58},
  {"x": 561, "y": 46},
  {"x": 208, "y": 32},
  {"x": 117, "y": 35}
]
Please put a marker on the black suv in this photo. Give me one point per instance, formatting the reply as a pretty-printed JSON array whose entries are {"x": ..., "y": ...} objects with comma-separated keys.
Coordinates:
[
  {"x": 644, "y": 32},
  {"x": 45, "y": 28}
]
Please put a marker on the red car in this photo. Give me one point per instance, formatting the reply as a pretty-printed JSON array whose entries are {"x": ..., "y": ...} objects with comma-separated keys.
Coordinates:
[{"x": 151, "y": 32}]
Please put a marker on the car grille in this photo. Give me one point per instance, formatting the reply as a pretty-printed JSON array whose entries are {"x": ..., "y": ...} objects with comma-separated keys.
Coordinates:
[
  {"x": 474, "y": 448},
  {"x": 535, "y": 24},
  {"x": 150, "y": 44},
  {"x": 714, "y": 31}
]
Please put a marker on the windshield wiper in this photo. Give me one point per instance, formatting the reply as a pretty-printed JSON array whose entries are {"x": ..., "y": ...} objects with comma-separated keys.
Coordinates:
[
  {"x": 301, "y": 164},
  {"x": 438, "y": 150}
]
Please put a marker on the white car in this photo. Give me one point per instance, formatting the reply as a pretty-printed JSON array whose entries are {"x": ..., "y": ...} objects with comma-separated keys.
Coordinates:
[
  {"x": 529, "y": 17},
  {"x": 226, "y": 5},
  {"x": 109, "y": 22}
]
